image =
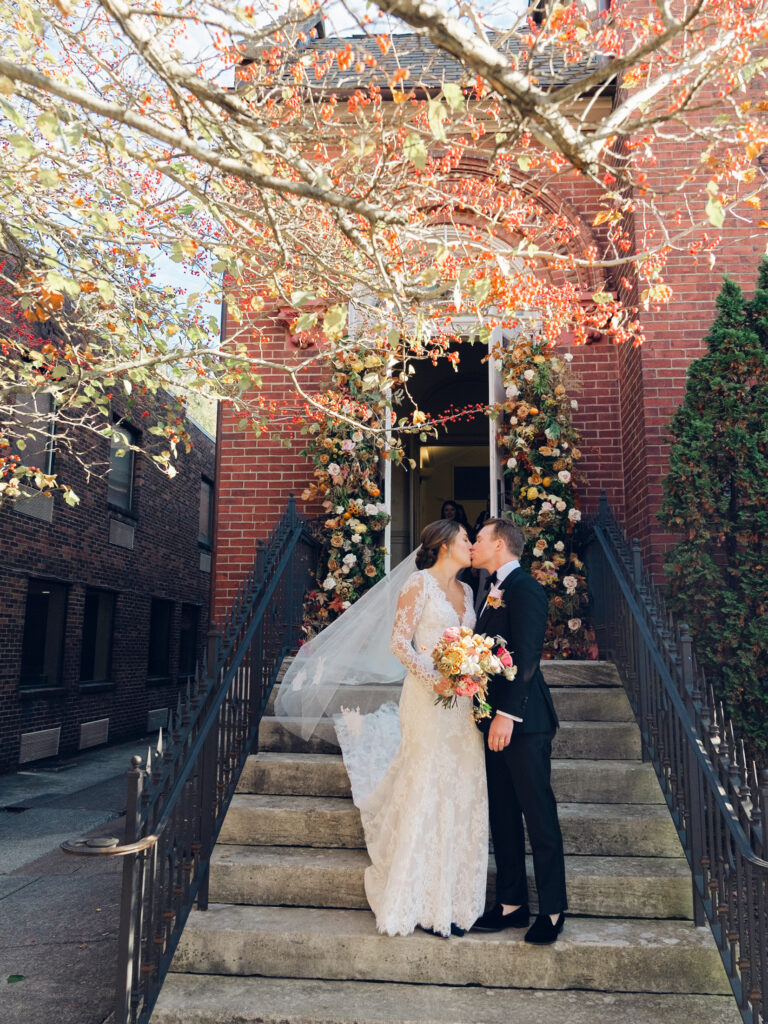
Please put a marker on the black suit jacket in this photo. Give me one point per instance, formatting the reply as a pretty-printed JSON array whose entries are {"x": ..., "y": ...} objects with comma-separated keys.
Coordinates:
[{"x": 522, "y": 623}]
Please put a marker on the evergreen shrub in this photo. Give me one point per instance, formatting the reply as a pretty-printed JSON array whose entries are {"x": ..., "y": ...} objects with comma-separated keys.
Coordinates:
[{"x": 716, "y": 499}]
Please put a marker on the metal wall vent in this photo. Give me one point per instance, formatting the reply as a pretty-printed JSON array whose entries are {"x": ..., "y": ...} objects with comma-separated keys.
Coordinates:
[
  {"x": 92, "y": 734},
  {"x": 36, "y": 745},
  {"x": 157, "y": 719},
  {"x": 35, "y": 504},
  {"x": 121, "y": 534}
]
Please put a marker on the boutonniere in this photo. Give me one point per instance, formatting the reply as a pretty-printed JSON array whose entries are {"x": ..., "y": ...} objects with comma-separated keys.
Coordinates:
[{"x": 495, "y": 599}]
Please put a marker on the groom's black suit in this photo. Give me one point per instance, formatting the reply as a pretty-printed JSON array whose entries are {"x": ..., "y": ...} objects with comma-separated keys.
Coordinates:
[{"x": 519, "y": 775}]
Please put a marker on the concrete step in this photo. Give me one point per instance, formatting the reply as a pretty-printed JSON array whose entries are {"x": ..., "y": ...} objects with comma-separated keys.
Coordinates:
[
  {"x": 206, "y": 999},
  {"x": 597, "y": 954},
  {"x": 573, "y": 704},
  {"x": 649, "y": 887},
  {"x": 612, "y": 830},
  {"x": 594, "y": 740},
  {"x": 575, "y": 781},
  {"x": 556, "y": 673}
]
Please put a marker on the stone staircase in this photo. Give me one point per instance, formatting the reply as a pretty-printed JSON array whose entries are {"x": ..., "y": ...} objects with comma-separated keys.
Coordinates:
[{"x": 288, "y": 938}]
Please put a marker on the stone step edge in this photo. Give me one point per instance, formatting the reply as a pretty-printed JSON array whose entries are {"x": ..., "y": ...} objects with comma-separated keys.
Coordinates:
[
  {"x": 283, "y": 802},
  {"x": 599, "y": 954},
  {"x": 605, "y": 670},
  {"x": 359, "y": 853},
  {"x": 638, "y": 888},
  {"x": 574, "y": 741},
  {"x": 203, "y": 999}
]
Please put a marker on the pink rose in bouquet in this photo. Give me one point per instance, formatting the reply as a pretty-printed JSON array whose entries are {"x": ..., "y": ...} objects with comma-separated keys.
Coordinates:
[
  {"x": 467, "y": 687},
  {"x": 466, "y": 661},
  {"x": 504, "y": 657}
]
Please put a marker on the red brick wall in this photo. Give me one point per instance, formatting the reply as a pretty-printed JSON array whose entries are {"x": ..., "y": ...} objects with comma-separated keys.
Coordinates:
[
  {"x": 257, "y": 472},
  {"x": 626, "y": 396},
  {"x": 74, "y": 548},
  {"x": 653, "y": 380},
  {"x": 598, "y": 419}
]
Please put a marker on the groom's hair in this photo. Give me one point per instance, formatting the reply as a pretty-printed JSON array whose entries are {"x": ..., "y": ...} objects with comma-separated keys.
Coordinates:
[{"x": 510, "y": 533}]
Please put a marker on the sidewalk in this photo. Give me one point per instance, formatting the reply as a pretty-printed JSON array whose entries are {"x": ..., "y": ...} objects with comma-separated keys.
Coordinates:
[{"x": 59, "y": 913}]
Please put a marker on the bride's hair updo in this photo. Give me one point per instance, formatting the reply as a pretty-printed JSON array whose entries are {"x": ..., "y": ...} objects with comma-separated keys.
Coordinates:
[{"x": 444, "y": 531}]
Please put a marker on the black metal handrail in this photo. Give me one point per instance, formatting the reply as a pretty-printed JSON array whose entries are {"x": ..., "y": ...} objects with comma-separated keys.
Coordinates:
[
  {"x": 717, "y": 797},
  {"x": 177, "y": 799}
]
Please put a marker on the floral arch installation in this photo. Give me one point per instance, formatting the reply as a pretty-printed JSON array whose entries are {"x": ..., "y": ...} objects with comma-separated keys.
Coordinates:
[{"x": 538, "y": 447}]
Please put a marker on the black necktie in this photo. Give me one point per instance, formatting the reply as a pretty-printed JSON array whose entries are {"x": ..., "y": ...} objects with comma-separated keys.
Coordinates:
[{"x": 492, "y": 580}]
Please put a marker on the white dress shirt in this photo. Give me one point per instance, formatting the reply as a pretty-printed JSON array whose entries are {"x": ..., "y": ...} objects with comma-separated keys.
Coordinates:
[{"x": 501, "y": 574}]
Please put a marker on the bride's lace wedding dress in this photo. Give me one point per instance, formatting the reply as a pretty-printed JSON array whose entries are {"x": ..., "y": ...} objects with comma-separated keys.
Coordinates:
[{"x": 426, "y": 820}]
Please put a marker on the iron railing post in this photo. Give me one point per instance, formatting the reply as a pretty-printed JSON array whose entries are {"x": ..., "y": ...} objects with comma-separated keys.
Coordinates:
[
  {"x": 126, "y": 941},
  {"x": 763, "y": 798},
  {"x": 212, "y": 652},
  {"x": 603, "y": 514},
  {"x": 208, "y": 810},
  {"x": 693, "y": 790},
  {"x": 642, "y": 668}
]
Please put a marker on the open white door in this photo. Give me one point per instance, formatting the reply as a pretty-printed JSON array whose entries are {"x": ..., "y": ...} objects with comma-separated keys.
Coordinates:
[
  {"x": 388, "y": 495},
  {"x": 495, "y": 394}
]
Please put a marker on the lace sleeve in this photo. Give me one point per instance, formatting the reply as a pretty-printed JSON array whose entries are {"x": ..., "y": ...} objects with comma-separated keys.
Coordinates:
[
  {"x": 409, "y": 610},
  {"x": 469, "y": 618}
]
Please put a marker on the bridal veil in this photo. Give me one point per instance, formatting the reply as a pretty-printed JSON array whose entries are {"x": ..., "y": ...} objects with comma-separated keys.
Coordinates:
[{"x": 352, "y": 651}]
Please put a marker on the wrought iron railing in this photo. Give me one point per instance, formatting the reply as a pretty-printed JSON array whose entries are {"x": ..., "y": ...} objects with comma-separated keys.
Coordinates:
[
  {"x": 717, "y": 796},
  {"x": 177, "y": 799}
]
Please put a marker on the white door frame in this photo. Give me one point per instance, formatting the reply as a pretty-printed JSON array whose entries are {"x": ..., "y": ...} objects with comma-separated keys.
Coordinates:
[{"x": 495, "y": 424}]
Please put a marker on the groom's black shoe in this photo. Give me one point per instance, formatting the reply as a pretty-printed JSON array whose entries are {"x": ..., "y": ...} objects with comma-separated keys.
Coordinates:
[
  {"x": 460, "y": 932},
  {"x": 496, "y": 920},
  {"x": 542, "y": 932}
]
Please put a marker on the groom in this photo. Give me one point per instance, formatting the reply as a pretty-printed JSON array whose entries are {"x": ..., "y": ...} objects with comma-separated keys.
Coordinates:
[{"x": 519, "y": 743}]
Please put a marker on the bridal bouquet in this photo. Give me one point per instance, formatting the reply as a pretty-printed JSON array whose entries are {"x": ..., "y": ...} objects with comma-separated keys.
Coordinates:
[{"x": 468, "y": 660}]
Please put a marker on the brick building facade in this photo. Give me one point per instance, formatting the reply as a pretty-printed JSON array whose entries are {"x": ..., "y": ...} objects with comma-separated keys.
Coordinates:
[
  {"x": 626, "y": 395},
  {"x": 103, "y": 607}
]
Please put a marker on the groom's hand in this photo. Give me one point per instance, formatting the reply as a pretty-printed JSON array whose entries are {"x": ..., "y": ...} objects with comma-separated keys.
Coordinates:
[{"x": 500, "y": 732}]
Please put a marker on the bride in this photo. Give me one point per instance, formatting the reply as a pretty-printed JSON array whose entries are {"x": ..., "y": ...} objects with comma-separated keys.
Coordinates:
[{"x": 417, "y": 772}]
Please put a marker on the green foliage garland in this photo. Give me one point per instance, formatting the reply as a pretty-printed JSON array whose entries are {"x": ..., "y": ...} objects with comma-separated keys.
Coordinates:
[
  {"x": 346, "y": 459},
  {"x": 540, "y": 448}
]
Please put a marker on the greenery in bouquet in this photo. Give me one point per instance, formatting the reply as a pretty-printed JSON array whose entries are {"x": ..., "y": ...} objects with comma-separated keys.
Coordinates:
[{"x": 539, "y": 446}]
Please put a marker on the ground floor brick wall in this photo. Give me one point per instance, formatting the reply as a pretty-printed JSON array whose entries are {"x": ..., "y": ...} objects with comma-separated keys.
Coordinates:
[
  {"x": 74, "y": 547},
  {"x": 125, "y": 700}
]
